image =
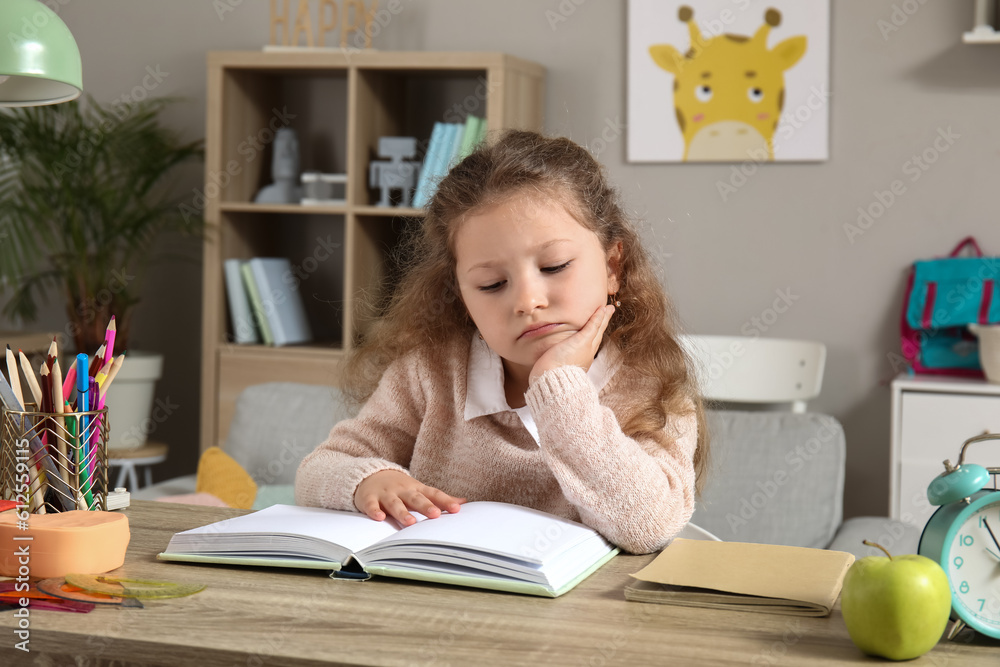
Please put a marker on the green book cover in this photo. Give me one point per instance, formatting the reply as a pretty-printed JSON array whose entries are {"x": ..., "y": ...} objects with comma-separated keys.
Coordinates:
[
  {"x": 256, "y": 305},
  {"x": 470, "y": 137}
]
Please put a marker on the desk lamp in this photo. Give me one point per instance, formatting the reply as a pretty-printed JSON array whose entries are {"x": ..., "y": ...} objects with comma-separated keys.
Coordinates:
[{"x": 39, "y": 60}]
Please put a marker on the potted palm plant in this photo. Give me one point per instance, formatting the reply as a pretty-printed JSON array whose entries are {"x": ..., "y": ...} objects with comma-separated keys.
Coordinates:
[{"x": 84, "y": 198}]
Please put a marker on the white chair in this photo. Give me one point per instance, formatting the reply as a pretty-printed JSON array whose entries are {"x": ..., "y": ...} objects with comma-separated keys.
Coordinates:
[
  {"x": 734, "y": 369},
  {"x": 778, "y": 476}
]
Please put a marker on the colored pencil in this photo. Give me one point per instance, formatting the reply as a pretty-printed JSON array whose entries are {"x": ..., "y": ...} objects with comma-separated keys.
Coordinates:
[
  {"x": 59, "y": 407},
  {"x": 15, "y": 377},
  {"x": 98, "y": 361},
  {"x": 83, "y": 407},
  {"x": 69, "y": 382},
  {"x": 109, "y": 343},
  {"x": 29, "y": 375},
  {"x": 112, "y": 374}
]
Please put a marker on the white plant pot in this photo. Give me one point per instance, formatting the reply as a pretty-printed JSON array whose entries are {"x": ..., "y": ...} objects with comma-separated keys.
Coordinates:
[
  {"x": 989, "y": 349},
  {"x": 130, "y": 400}
]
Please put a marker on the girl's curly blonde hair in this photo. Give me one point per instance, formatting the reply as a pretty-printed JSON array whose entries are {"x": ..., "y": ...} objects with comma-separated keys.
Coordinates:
[{"x": 426, "y": 308}]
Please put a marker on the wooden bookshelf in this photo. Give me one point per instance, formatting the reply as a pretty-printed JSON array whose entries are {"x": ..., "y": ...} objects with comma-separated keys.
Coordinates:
[{"x": 339, "y": 104}]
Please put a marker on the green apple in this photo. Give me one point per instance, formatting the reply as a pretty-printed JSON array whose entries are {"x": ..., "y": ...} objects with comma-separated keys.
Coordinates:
[{"x": 895, "y": 607}]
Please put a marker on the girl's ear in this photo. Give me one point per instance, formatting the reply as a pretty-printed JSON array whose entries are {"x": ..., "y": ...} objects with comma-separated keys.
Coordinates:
[{"x": 614, "y": 267}]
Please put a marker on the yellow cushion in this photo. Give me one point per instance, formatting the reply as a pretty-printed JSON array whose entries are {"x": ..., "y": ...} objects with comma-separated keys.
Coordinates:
[{"x": 220, "y": 475}]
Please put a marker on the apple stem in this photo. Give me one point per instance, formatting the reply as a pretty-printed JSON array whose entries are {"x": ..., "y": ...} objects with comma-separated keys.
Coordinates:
[{"x": 876, "y": 544}]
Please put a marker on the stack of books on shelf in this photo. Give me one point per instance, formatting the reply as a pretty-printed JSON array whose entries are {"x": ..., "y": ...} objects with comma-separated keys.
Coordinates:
[
  {"x": 265, "y": 303},
  {"x": 449, "y": 144}
]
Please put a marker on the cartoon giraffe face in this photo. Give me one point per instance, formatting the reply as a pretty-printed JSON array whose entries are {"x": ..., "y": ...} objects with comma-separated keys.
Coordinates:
[{"x": 729, "y": 90}]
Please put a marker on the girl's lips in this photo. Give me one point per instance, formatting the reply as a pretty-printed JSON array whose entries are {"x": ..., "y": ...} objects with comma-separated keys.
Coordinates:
[{"x": 539, "y": 331}]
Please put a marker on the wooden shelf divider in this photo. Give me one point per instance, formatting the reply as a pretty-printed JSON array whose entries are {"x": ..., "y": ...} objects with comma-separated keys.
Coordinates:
[{"x": 339, "y": 105}]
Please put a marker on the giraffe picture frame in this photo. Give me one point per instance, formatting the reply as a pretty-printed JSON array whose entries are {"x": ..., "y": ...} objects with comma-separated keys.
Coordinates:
[{"x": 728, "y": 80}]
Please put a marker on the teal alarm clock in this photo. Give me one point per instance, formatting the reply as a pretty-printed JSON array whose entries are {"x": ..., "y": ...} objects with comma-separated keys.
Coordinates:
[{"x": 963, "y": 536}]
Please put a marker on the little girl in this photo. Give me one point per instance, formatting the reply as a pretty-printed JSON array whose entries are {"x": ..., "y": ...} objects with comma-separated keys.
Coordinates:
[{"x": 527, "y": 356}]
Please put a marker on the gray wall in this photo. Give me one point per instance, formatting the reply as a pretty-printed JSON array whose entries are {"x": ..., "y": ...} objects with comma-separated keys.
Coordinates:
[{"x": 724, "y": 261}]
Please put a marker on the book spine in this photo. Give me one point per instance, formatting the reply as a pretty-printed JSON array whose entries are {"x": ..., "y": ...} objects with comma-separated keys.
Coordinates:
[
  {"x": 420, "y": 198},
  {"x": 441, "y": 159},
  {"x": 256, "y": 305},
  {"x": 269, "y": 297},
  {"x": 470, "y": 135},
  {"x": 244, "y": 329},
  {"x": 281, "y": 300},
  {"x": 456, "y": 147}
]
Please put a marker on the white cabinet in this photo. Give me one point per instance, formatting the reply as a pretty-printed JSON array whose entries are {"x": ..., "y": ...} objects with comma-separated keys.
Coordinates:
[{"x": 931, "y": 418}]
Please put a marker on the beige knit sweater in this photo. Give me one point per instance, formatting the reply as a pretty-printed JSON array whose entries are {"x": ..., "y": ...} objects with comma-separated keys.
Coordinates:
[{"x": 637, "y": 493}]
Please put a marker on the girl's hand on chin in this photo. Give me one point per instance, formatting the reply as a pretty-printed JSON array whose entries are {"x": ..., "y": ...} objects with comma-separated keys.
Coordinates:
[{"x": 577, "y": 350}]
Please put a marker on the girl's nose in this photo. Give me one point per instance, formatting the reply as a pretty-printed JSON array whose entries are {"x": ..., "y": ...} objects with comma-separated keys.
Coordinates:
[{"x": 529, "y": 296}]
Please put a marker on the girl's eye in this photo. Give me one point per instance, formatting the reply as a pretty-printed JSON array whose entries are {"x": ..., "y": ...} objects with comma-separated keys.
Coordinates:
[
  {"x": 555, "y": 269},
  {"x": 755, "y": 94},
  {"x": 703, "y": 93},
  {"x": 492, "y": 288}
]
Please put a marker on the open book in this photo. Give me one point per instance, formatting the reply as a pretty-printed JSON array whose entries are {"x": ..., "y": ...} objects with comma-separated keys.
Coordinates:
[
  {"x": 486, "y": 545},
  {"x": 769, "y": 578}
]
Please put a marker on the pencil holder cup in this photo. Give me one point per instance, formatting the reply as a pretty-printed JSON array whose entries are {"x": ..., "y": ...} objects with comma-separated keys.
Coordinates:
[{"x": 51, "y": 462}]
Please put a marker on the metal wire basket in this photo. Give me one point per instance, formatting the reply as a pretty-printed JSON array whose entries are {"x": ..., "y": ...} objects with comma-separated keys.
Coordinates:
[{"x": 52, "y": 462}]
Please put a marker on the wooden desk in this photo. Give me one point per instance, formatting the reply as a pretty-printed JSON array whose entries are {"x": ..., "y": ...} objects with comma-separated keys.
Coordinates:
[{"x": 260, "y": 616}]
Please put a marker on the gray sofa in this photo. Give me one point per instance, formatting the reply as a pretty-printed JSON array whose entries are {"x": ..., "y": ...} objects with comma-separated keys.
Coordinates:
[{"x": 775, "y": 477}]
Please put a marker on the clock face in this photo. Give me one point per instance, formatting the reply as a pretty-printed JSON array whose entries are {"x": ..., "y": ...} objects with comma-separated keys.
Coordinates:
[{"x": 971, "y": 558}]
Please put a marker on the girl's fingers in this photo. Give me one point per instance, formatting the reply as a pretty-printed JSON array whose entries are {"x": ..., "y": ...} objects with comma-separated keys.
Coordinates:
[
  {"x": 372, "y": 508},
  {"x": 418, "y": 502},
  {"x": 443, "y": 500},
  {"x": 609, "y": 310},
  {"x": 397, "y": 510},
  {"x": 600, "y": 320}
]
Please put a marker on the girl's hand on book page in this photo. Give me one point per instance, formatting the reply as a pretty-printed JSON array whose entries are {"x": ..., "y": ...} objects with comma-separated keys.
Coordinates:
[
  {"x": 393, "y": 493},
  {"x": 577, "y": 350}
]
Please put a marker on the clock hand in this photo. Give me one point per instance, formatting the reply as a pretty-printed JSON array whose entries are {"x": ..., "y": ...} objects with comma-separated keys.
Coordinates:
[
  {"x": 991, "y": 553},
  {"x": 986, "y": 523}
]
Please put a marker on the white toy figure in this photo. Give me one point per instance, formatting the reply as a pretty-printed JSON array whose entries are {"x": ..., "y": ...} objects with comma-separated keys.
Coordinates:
[
  {"x": 397, "y": 173},
  {"x": 284, "y": 171}
]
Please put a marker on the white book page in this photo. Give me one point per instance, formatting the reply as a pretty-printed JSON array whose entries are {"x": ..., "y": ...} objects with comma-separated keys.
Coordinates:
[
  {"x": 351, "y": 530},
  {"x": 498, "y": 528}
]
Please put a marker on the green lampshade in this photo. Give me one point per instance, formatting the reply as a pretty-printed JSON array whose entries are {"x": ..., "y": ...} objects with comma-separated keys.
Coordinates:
[{"x": 39, "y": 59}]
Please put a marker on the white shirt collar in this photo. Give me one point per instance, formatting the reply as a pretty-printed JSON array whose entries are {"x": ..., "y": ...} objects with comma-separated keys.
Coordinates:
[{"x": 484, "y": 381}]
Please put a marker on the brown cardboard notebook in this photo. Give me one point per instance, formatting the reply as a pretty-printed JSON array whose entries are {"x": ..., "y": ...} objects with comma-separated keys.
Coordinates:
[{"x": 743, "y": 576}]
